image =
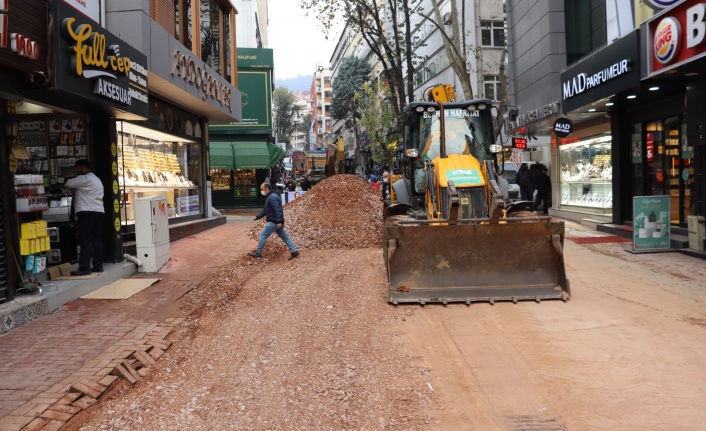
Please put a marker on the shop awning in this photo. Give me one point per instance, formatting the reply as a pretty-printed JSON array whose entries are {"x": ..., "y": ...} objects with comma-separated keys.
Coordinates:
[
  {"x": 276, "y": 154},
  {"x": 221, "y": 155},
  {"x": 251, "y": 155}
]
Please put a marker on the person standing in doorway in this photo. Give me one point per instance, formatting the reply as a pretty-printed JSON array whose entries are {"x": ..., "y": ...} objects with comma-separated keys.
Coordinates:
[
  {"x": 88, "y": 202},
  {"x": 544, "y": 191},
  {"x": 274, "y": 215},
  {"x": 524, "y": 180}
]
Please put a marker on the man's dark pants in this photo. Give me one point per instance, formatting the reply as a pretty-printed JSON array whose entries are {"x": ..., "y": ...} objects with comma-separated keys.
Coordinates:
[{"x": 90, "y": 236}]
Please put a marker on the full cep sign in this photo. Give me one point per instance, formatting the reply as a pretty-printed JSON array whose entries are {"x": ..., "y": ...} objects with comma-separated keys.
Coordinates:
[{"x": 676, "y": 37}]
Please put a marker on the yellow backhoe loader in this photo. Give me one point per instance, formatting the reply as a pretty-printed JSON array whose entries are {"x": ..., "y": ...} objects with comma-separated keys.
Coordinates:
[{"x": 450, "y": 236}]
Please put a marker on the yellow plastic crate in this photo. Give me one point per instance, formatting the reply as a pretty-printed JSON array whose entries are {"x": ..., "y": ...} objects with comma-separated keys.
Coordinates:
[{"x": 28, "y": 231}]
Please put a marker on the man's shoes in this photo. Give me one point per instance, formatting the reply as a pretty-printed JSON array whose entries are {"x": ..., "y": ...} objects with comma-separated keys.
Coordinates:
[
  {"x": 254, "y": 253},
  {"x": 77, "y": 273},
  {"x": 97, "y": 269},
  {"x": 293, "y": 255}
]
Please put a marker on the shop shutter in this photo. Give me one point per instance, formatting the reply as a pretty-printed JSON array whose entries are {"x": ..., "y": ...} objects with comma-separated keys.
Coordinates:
[{"x": 3, "y": 258}]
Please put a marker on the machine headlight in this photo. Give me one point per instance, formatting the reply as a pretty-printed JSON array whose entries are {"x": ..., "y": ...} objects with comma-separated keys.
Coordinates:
[
  {"x": 482, "y": 106},
  {"x": 412, "y": 152},
  {"x": 496, "y": 148},
  {"x": 471, "y": 108},
  {"x": 431, "y": 109},
  {"x": 419, "y": 109}
]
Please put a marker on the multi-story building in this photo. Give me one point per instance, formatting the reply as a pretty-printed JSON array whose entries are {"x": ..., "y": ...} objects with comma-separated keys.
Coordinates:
[
  {"x": 321, "y": 107},
  {"x": 623, "y": 80},
  {"x": 300, "y": 137}
]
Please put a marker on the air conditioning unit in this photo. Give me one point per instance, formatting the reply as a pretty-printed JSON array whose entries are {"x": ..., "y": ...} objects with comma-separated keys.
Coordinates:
[
  {"x": 318, "y": 104},
  {"x": 319, "y": 117},
  {"x": 447, "y": 18},
  {"x": 321, "y": 130}
]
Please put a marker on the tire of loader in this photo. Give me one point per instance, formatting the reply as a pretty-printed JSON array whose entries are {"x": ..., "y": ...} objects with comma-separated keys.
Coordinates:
[{"x": 513, "y": 261}]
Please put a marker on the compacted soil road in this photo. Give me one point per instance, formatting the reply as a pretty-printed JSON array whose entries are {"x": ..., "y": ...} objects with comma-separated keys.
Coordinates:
[{"x": 311, "y": 344}]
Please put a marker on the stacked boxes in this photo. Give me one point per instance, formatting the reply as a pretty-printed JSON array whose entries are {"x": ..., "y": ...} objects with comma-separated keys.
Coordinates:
[{"x": 34, "y": 237}]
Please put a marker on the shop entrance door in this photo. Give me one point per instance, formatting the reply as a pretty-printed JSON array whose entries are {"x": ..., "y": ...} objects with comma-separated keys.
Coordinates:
[{"x": 668, "y": 168}]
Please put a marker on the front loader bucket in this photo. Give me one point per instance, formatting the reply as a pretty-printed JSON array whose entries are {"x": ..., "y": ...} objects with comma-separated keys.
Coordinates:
[{"x": 513, "y": 261}]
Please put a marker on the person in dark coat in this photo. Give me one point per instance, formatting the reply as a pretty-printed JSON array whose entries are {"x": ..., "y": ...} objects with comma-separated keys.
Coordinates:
[
  {"x": 307, "y": 183},
  {"x": 544, "y": 191},
  {"x": 274, "y": 215},
  {"x": 290, "y": 184},
  {"x": 524, "y": 180}
]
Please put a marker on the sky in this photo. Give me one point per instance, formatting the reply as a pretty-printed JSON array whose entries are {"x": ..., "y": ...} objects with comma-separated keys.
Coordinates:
[{"x": 297, "y": 40}]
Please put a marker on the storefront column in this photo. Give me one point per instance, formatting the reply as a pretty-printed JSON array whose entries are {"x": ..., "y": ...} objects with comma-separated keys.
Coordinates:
[
  {"x": 622, "y": 163},
  {"x": 104, "y": 162},
  {"x": 696, "y": 136}
]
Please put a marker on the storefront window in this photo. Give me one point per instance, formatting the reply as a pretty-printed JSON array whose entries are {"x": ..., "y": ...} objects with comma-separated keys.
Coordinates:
[
  {"x": 152, "y": 163},
  {"x": 245, "y": 183},
  {"x": 587, "y": 173}
]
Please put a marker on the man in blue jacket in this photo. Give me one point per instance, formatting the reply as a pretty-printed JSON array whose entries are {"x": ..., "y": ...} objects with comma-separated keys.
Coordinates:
[{"x": 274, "y": 214}]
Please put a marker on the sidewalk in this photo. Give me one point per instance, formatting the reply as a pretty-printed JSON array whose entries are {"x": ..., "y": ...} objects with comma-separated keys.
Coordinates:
[{"x": 53, "y": 367}]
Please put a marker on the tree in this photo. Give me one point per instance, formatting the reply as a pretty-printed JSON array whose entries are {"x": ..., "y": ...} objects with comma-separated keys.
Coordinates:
[
  {"x": 378, "y": 119},
  {"x": 285, "y": 111},
  {"x": 349, "y": 81},
  {"x": 387, "y": 27},
  {"x": 305, "y": 127}
]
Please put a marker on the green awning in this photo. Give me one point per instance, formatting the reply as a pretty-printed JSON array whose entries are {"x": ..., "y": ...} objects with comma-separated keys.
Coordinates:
[
  {"x": 251, "y": 155},
  {"x": 221, "y": 155},
  {"x": 276, "y": 154}
]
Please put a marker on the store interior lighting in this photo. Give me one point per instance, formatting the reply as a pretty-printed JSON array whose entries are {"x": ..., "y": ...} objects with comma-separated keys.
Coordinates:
[
  {"x": 655, "y": 88},
  {"x": 632, "y": 96},
  {"x": 154, "y": 135}
]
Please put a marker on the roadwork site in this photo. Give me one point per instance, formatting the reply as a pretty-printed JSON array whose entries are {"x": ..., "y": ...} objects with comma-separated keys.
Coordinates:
[{"x": 313, "y": 344}]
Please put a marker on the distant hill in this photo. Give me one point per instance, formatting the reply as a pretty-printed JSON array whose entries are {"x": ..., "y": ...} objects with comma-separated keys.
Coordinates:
[{"x": 302, "y": 83}]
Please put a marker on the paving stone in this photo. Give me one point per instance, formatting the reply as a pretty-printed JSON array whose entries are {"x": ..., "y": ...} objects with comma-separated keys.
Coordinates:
[
  {"x": 93, "y": 385},
  {"x": 69, "y": 398},
  {"x": 84, "y": 402},
  {"x": 14, "y": 423},
  {"x": 80, "y": 387},
  {"x": 143, "y": 371},
  {"x": 64, "y": 408},
  {"x": 108, "y": 380},
  {"x": 55, "y": 415},
  {"x": 156, "y": 352},
  {"x": 128, "y": 366},
  {"x": 124, "y": 373},
  {"x": 144, "y": 358},
  {"x": 53, "y": 425},
  {"x": 36, "y": 425}
]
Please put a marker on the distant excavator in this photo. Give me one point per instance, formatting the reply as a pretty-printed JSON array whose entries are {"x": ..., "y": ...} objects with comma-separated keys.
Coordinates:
[{"x": 450, "y": 236}]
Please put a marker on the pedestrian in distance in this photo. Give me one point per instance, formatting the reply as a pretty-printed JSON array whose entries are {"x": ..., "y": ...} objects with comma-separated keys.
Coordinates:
[
  {"x": 89, "y": 209},
  {"x": 385, "y": 189},
  {"x": 290, "y": 185},
  {"x": 307, "y": 183},
  {"x": 524, "y": 180},
  {"x": 374, "y": 183},
  {"x": 274, "y": 215},
  {"x": 544, "y": 191}
]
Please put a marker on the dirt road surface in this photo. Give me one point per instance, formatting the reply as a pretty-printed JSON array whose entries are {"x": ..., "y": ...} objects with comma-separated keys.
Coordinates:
[{"x": 312, "y": 344}]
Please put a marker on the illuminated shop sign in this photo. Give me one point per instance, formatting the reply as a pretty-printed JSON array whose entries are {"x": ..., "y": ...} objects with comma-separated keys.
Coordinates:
[
  {"x": 95, "y": 64},
  {"x": 676, "y": 37},
  {"x": 660, "y": 4},
  {"x": 519, "y": 143},
  {"x": 584, "y": 81}
]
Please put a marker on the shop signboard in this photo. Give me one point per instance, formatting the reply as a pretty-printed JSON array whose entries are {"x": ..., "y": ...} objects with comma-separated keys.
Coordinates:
[
  {"x": 519, "y": 143},
  {"x": 651, "y": 228},
  {"x": 23, "y": 39},
  {"x": 255, "y": 84},
  {"x": 189, "y": 205},
  {"x": 674, "y": 37},
  {"x": 604, "y": 73},
  {"x": 168, "y": 118},
  {"x": 563, "y": 127},
  {"x": 96, "y": 65}
]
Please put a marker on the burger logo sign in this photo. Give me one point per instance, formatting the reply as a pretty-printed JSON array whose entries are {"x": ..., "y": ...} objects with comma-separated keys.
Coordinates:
[{"x": 667, "y": 39}]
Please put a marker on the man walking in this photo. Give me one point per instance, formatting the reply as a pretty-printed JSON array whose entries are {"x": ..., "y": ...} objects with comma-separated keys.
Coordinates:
[
  {"x": 544, "y": 191},
  {"x": 89, "y": 217},
  {"x": 274, "y": 215}
]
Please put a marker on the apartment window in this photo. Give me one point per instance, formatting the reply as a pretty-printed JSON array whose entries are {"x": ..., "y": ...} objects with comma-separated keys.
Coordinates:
[
  {"x": 491, "y": 87},
  {"x": 492, "y": 33},
  {"x": 182, "y": 22}
]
